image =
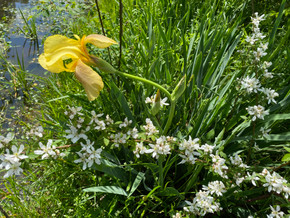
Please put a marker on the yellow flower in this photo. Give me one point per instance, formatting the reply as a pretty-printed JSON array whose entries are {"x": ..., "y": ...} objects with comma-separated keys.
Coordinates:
[{"x": 65, "y": 54}]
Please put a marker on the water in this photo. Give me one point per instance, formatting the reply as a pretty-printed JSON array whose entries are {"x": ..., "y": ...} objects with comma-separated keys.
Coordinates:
[{"x": 21, "y": 48}]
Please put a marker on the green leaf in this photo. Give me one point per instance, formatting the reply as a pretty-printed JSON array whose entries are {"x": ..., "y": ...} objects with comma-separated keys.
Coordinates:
[
  {"x": 287, "y": 149},
  {"x": 286, "y": 157},
  {"x": 122, "y": 101},
  {"x": 107, "y": 189},
  {"x": 170, "y": 191},
  {"x": 137, "y": 182}
]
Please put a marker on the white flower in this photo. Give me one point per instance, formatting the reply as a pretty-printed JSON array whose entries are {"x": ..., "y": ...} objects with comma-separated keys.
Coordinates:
[
  {"x": 5, "y": 140},
  {"x": 46, "y": 151},
  {"x": 256, "y": 20},
  {"x": 219, "y": 165},
  {"x": 215, "y": 187},
  {"x": 17, "y": 156},
  {"x": 83, "y": 159},
  {"x": 257, "y": 111},
  {"x": 161, "y": 147},
  {"x": 73, "y": 134},
  {"x": 259, "y": 53},
  {"x": 126, "y": 123},
  {"x": 177, "y": 215},
  {"x": 253, "y": 178},
  {"x": 95, "y": 117},
  {"x": 94, "y": 156},
  {"x": 265, "y": 132},
  {"x": 14, "y": 169},
  {"x": 236, "y": 160},
  {"x": 151, "y": 100},
  {"x": 251, "y": 39},
  {"x": 100, "y": 125},
  {"x": 202, "y": 204},
  {"x": 150, "y": 128},
  {"x": 190, "y": 146},
  {"x": 133, "y": 133},
  {"x": 109, "y": 120},
  {"x": 207, "y": 148},
  {"x": 250, "y": 84},
  {"x": 73, "y": 112},
  {"x": 260, "y": 35},
  {"x": 275, "y": 182},
  {"x": 271, "y": 94},
  {"x": 267, "y": 74},
  {"x": 276, "y": 212},
  {"x": 119, "y": 138},
  {"x": 140, "y": 149}
]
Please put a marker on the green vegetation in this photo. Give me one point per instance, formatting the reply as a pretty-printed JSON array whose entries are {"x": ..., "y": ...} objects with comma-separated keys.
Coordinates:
[{"x": 218, "y": 147}]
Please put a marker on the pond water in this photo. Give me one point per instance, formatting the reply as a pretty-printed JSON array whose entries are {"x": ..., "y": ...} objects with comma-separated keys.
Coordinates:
[{"x": 21, "y": 48}]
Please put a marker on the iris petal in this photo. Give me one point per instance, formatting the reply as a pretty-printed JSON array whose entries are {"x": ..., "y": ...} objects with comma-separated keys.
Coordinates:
[
  {"x": 91, "y": 81},
  {"x": 99, "y": 41}
]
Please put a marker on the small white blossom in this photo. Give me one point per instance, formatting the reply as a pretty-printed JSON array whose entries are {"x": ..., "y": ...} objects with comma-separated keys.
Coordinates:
[
  {"x": 16, "y": 155},
  {"x": 109, "y": 121},
  {"x": 251, "y": 39},
  {"x": 219, "y": 165},
  {"x": 14, "y": 169},
  {"x": 257, "y": 111},
  {"x": 270, "y": 95},
  {"x": 250, "y": 84},
  {"x": 150, "y": 128},
  {"x": 207, "y": 148},
  {"x": 5, "y": 140},
  {"x": 73, "y": 111},
  {"x": 125, "y": 123},
  {"x": 151, "y": 100},
  {"x": 237, "y": 161},
  {"x": 73, "y": 134},
  {"x": 253, "y": 178},
  {"x": 259, "y": 53},
  {"x": 276, "y": 213},
  {"x": 47, "y": 150},
  {"x": 95, "y": 117},
  {"x": 133, "y": 133},
  {"x": 267, "y": 74},
  {"x": 265, "y": 132},
  {"x": 140, "y": 149},
  {"x": 215, "y": 187},
  {"x": 161, "y": 147}
]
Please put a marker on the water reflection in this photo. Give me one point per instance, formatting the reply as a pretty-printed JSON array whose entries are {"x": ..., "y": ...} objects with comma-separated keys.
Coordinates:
[{"x": 6, "y": 7}]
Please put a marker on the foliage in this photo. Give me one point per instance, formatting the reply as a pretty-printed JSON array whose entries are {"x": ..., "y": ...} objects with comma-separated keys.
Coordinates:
[{"x": 199, "y": 52}]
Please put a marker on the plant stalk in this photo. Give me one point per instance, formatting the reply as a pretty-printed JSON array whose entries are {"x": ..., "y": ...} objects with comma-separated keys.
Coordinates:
[
  {"x": 145, "y": 81},
  {"x": 170, "y": 117}
]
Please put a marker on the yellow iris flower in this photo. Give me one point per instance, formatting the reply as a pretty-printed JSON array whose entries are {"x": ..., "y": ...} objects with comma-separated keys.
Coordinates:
[{"x": 59, "y": 49}]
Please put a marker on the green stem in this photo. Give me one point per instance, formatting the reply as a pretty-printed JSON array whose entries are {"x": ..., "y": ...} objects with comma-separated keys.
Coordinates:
[
  {"x": 170, "y": 117},
  {"x": 161, "y": 179},
  {"x": 145, "y": 81}
]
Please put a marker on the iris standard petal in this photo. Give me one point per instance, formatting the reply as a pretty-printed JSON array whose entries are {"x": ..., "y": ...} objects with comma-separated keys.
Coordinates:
[
  {"x": 99, "y": 41},
  {"x": 52, "y": 43},
  {"x": 91, "y": 80}
]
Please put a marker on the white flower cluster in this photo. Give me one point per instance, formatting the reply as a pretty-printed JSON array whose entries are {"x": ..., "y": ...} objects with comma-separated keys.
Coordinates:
[
  {"x": 5, "y": 140},
  {"x": 237, "y": 161},
  {"x": 276, "y": 183},
  {"x": 35, "y": 131},
  {"x": 151, "y": 100},
  {"x": 150, "y": 128},
  {"x": 252, "y": 84},
  {"x": 11, "y": 162},
  {"x": 219, "y": 165},
  {"x": 160, "y": 147},
  {"x": 73, "y": 111},
  {"x": 257, "y": 111},
  {"x": 48, "y": 150},
  {"x": 204, "y": 202},
  {"x": 119, "y": 138},
  {"x": 74, "y": 134},
  {"x": 88, "y": 155}
]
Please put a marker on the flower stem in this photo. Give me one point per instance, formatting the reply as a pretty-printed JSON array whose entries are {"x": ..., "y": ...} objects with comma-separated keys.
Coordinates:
[
  {"x": 161, "y": 179},
  {"x": 145, "y": 81},
  {"x": 170, "y": 117}
]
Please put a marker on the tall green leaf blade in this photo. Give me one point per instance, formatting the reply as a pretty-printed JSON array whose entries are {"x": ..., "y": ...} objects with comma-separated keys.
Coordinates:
[{"x": 107, "y": 189}]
